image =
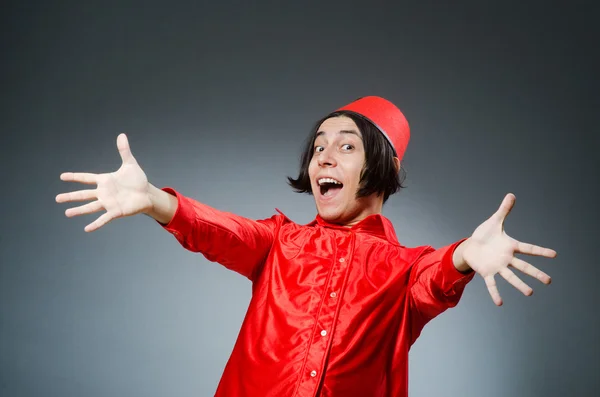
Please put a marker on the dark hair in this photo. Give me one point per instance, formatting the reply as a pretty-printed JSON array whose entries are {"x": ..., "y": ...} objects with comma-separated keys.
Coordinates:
[{"x": 379, "y": 173}]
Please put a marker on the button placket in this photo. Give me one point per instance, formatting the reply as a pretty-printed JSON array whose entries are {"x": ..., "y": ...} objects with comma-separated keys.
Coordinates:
[{"x": 320, "y": 344}]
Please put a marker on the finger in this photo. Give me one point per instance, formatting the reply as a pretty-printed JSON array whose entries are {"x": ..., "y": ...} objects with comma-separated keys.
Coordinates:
[
  {"x": 81, "y": 177},
  {"x": 530, "y": 249},
  {"x": 490, "y": 282},
  {"x": 98, "y": 223},
  {"x": 516, "y": 281},
  {"x": 124, "y": 149},
  {"x": 80, "y": 195},
  {"x": 506, "y": 206},
  {"x": 530, "y": 270},
  {"x": 84, "y": 209}
]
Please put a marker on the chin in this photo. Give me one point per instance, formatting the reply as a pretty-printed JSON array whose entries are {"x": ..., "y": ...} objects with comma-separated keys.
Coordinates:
[{"x": 331, "y": 215}]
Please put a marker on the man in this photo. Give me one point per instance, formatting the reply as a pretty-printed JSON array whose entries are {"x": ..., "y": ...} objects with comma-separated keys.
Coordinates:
[{"x": 336, "y": 304}]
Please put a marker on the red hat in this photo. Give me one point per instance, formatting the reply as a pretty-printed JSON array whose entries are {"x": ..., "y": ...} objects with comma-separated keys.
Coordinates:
[{"x": 386, "y": 117}]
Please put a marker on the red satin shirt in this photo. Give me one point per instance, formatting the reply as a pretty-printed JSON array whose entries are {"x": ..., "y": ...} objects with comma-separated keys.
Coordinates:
[{"x": 334, "y": 310}]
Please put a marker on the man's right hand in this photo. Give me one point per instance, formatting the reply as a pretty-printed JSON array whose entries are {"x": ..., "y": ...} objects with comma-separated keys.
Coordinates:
[{"x": 122, "y": 193}]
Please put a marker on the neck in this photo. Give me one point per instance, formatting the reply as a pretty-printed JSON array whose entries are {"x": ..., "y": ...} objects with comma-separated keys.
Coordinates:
[{"x": 369, "y": 206}]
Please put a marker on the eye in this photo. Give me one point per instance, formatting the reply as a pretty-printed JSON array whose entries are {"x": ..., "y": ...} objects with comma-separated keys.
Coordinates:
[
  {"x": 319, "y": 149},
  {"x": 347, "y": 147}
]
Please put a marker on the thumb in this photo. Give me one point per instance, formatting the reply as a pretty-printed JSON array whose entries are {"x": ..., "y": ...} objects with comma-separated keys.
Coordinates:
[
  {"x": 505, "y": 207},
  {"x": 124, "y": 150}
]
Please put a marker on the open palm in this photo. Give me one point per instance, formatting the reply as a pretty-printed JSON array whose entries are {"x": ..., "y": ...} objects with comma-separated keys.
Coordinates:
[
  {"x": 121, "y": 193},
  {"x": 491, "y": 251}
]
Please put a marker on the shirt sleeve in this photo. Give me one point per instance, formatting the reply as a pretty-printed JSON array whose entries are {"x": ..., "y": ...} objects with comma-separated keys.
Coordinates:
[
  {"x": 435, "y": 285},
  {"x": 240, "y": 244}
]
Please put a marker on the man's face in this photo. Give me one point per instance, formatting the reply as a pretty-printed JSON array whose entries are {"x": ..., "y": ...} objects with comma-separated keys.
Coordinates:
[{"x": 334, "y": 171}]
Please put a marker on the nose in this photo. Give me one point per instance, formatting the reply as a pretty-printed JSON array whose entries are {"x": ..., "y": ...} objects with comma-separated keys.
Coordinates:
[{"x": 327, "y": 158}]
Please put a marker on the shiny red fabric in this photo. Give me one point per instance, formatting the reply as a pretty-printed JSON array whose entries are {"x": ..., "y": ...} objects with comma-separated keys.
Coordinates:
[{"x": 334, "y": 310}]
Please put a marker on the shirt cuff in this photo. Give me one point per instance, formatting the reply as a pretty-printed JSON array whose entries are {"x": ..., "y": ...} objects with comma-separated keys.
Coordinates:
[
  {"x": 182, "y": 222},
  {"x": 451, "y": 274}
]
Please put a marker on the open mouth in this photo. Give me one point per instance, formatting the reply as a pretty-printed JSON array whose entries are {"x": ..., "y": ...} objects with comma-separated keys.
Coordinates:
[{"x": 329, "y": 187}]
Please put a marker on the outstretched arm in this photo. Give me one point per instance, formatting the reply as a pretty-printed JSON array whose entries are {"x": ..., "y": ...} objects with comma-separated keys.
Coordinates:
[
  {"x": 435, "y": 285},
  {"x": 122, "y": 193},
  {"x": 236, "y": 242},
  {"x": 438, "y": 277}
]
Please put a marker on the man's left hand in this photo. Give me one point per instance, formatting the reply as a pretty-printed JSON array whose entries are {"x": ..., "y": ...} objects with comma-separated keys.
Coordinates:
[{"x": 490, "y": 251}]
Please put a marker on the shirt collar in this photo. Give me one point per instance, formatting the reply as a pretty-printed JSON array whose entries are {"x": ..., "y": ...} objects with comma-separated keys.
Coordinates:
[{"x": 376, "y": 225}]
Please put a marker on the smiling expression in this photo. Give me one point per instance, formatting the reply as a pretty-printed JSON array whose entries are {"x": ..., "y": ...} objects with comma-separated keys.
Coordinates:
[{"x": 335, "y": 170}]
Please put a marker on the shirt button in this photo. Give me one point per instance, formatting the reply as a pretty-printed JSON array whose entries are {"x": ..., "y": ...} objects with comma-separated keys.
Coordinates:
[
  {"x": 323, "y": 333},
  {"x": 333, "y": 294},
  {"x": 342, "y": 259},
  {"x": 313, "y": 373}
]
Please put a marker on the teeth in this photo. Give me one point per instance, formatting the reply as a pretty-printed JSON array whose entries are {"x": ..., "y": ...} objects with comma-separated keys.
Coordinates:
[{"x": 328, "y": 180}]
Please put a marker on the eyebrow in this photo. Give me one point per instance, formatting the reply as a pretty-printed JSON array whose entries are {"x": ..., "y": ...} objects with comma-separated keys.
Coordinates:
[{"x": 354, "y": 132}]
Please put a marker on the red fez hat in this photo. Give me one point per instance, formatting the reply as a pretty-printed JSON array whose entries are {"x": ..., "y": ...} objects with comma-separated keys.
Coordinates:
[{"x": 386, "y": 117}]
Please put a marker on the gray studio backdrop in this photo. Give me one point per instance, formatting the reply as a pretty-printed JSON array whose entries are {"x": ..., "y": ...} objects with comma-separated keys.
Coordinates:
[{"x": 217, "y": 100}]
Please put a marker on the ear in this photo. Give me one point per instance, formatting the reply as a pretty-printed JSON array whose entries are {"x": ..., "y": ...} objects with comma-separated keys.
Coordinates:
[{"x": 397, "y": 164}]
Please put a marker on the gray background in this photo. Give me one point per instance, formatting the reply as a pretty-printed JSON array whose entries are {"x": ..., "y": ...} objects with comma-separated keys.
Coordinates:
[{"x": 217, "y": 100}]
